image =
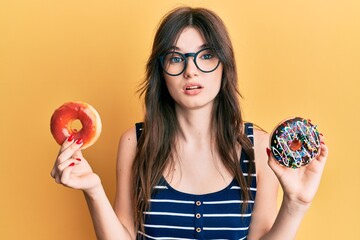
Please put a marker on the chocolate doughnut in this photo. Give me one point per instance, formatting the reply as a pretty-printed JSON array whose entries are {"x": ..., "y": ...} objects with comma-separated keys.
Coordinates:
[{"x": 295, "y": 142}]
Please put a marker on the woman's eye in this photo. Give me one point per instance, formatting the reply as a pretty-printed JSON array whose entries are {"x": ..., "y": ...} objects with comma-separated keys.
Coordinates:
[
  {"x": 176, "y": 60},
  {"x": 207, "y": 56}
]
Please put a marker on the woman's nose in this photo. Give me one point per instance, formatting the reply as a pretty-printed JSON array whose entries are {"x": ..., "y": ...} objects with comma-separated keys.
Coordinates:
[{"x": 191, "y": 68}]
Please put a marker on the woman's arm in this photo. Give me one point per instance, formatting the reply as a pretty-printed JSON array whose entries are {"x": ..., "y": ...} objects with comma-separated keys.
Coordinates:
[
  {"x": 299, "y": 187},
  {"x": 265, "y": 207},
  {"x": 72, "y": 170},
  {"x": 123, "y": 202},
  {"x": 106, "y": 223}
]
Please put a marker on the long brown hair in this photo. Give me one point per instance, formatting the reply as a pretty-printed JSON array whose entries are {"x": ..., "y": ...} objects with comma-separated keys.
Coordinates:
[{"x": 156, "y": 146}]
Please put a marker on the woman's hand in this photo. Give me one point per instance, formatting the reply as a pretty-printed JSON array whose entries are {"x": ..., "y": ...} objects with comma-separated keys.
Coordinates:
[
  {"x": 300, "y": 185},
  {"x": 72, "y": 170}
]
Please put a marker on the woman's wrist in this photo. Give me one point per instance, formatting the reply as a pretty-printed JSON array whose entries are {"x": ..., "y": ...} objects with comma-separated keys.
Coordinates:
[
  {"x": 295, "y": 206},
  {"x": 288, "y": 219},
  {"x": 95, "y": 191}
]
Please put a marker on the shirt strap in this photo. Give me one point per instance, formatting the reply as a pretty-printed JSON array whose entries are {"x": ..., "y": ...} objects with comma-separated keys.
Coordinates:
[
  {"x": 249, "y": 131},
  {"x": 139, "y": 129}
]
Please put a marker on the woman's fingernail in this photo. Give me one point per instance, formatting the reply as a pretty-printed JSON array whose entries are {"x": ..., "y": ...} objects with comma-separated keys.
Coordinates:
[
  {"x": 79, "y": 141},
  {"x": 71, "y": 164},
  {"x": 322, "y": 142},
  {"x": 70, "y": 138},
  {"x": 321, "y": 134},
  {"x": 268, "y": 151},
  {"x": 78, "y": 159}
]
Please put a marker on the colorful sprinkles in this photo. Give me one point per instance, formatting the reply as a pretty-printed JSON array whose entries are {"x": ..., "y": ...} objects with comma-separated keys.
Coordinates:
[{"x": 295, "y": 142}]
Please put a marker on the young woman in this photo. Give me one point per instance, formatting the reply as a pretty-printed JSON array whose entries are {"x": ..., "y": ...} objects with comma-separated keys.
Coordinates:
[{"x": 193, "y": 169}]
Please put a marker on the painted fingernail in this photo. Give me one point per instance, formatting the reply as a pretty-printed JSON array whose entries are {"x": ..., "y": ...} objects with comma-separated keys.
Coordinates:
[
  {"x": 71, "y": 164},
  {"x": 79, "y": 141},
  {"x": 268, "y": 151},
  {"x": 70, "y": 138},
  {"x": 78, "y": 159},
  {"x": 321, "y": 134},
  {"x": 322, "y": 142}
]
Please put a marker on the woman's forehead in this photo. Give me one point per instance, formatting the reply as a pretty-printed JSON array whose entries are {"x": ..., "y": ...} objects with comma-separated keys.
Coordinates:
[{"x": 190, "y": 39}]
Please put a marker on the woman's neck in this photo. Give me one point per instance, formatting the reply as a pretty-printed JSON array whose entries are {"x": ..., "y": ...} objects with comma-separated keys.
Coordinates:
[{"x": 195, "y": 125}]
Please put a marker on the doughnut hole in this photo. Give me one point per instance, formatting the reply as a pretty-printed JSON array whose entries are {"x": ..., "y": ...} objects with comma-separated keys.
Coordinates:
[
  {"x": 76, "y": 125},
  {"x": 295, "y": 145}
]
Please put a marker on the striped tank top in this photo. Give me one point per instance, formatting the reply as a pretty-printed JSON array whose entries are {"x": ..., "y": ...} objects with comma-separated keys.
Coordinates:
[{"x": 177, "y": 215}]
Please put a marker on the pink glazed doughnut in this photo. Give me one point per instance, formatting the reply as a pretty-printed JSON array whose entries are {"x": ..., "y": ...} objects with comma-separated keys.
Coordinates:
[{"x": 60, "y": 123}]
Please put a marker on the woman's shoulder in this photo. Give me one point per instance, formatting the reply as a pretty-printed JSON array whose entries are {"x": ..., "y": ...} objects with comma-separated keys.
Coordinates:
[
  {"x": 260, "y": 135},
  {"x": 129, "y": 136},
  {"x": 127, "y": 144}
]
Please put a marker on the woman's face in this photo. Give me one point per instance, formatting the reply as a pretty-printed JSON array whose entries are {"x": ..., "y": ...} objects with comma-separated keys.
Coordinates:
[{"x": 193, "y": 88}]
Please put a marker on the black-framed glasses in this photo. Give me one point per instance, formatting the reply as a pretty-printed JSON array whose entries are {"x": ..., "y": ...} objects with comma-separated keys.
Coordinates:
[{"x": 174, "y": 63}]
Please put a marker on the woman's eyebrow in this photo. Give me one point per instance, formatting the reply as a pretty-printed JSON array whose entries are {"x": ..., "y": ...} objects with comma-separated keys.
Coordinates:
[
  {"x": 175, "y": 48},
  {"x": 205, "y": 45}
]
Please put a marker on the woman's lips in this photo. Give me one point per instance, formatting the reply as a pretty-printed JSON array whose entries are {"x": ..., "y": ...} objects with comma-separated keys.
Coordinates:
[{"x": 193, "y": 88}]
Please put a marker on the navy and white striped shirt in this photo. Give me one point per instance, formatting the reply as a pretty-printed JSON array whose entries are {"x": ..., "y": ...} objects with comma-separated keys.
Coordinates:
[{"x": 177, "y": 215}]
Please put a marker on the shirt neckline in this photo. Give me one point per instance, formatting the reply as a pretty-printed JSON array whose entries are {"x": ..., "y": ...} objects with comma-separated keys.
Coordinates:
[
  {"x": 232, "y": 183},
  {"x": 165, "y": 182}
]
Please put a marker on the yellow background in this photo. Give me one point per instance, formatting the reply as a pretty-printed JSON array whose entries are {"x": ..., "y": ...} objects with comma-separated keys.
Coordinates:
[{"x": 294, "y": 58}]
